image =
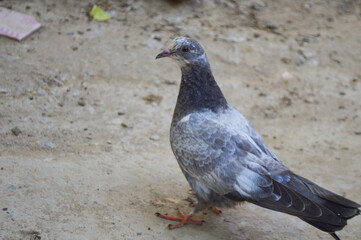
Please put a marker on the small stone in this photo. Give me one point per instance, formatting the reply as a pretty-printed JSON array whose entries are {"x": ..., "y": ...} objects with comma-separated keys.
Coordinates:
[
  {"x": 153, "y": 99},
  {"x": 91, "y": 110},
  {"x": 313, "y": 62},
  {"x": 75, "y": 93},
  {"x": 120, "y": 113},
  {"x": 125, "y": 125},
  {"x": 287, "y": 75},
  {"x": 16, "y": 131},
  {"x": 170, "y": 82},
  {"x": 46, "y": 144},
  {"x": 155, "y": 138},
  {"x": 81, "y": 102},
  {"x": 358, "y": 132},
  {"x": 286, "y": 60},
  {"x": 11, "y": 187},
  {"x": 286, "y": 101},
  {"x": 139, "y": 233},
  {"x": 5, "y": 209},
  {"x": 270, "y": 113},
  {"x": 41, "y": 92},
  {"x": 109, "y": 142}
]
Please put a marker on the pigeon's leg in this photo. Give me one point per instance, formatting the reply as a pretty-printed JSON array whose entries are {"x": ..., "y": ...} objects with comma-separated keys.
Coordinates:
[
  {"x": 183, "y": 220},
  {"x": 216, "y": 210},
  {"x": 194, "y": 203}
]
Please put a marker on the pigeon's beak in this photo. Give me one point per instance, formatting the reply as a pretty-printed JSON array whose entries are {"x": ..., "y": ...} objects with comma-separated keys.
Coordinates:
[{"x": 165, "y": 53}]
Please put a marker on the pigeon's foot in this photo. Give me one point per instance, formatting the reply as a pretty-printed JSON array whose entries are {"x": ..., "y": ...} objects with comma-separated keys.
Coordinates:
[
  {"x": 183, "y": 220},
  {"x": 216, "y": 210},
  {"x": 194, "y": 202}
]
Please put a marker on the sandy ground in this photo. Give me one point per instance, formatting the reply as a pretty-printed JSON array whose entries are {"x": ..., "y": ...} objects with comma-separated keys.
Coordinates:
[{"x": 93, "y": 160}]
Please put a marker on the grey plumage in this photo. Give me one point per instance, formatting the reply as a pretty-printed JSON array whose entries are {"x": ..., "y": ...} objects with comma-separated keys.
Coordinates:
[{"x": 226, "y": 161}]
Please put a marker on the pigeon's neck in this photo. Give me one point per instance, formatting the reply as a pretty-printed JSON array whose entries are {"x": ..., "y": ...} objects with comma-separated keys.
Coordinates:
[{"x": 198, "y": 91}]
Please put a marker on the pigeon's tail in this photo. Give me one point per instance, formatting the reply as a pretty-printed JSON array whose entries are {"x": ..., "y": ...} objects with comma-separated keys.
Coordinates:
[
  {"x": 342, "y": 207},
  {"x": 295, "y": 195}
]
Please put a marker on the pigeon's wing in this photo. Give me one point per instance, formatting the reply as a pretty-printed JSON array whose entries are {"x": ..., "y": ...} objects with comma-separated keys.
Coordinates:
[
  {"x": 221, "y": 155},
  {"x": 251, "y": 131},
  {"x": 232, "y": 164}
]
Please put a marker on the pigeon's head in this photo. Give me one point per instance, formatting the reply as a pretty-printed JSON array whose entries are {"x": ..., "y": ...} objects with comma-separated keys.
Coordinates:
[{"x": 185, "y": 51}]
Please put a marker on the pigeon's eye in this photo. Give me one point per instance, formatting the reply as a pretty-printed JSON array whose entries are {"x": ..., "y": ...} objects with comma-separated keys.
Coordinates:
[{"x": 185, "y": 49}]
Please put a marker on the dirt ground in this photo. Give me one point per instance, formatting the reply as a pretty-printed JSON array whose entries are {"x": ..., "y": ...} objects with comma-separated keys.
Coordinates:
[{"x": 92, "y": 107}]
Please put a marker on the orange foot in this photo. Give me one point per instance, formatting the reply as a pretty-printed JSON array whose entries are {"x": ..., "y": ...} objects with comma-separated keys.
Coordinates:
[
  {"x": 183, "y": 220},
  {"x": 194, "y": 202},
  {"x": 216, "y": 210}
]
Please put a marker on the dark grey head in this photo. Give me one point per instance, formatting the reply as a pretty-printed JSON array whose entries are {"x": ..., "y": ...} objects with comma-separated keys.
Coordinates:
[{"x": 185, "y": 51}]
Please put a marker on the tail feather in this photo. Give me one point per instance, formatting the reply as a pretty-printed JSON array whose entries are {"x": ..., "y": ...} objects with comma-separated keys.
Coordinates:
[
  {"x": 300, "y": 197},
  {"x": 334, "y": 235},
  {"x": 345, "y": 207}
]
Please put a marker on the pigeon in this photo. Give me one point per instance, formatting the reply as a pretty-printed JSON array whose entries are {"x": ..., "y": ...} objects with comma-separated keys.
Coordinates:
[{"x": 226, "y": 161}]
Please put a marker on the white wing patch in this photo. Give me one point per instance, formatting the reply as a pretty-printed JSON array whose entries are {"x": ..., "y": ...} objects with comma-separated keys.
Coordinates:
[{"x": 185, "y": 119}]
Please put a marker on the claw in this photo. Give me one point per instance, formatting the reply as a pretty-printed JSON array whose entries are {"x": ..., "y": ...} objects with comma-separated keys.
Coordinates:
[
  {"x": 216, "y": 210},
  {"x": 183, "y": 220}
]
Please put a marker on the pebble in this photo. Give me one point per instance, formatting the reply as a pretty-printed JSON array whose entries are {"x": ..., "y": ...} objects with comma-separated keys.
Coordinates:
[
  {"x": 170, "y": 82},
  {"x": 48, "y": 159},
  {"x": 11, "y": 187},
  {"x": 308, "y": 55},
  {"x": 358, "y": 132},
  {"x": 313, "y": 62},
  {"x": 270, "y": 113},
  {"x": 46, "y": 144},
  {"x": 16, "y": 131},
  {"x": 81, "y": 102},
  {"x": 41, "y": 92},
  {"x": 91, "y": 110},
  {"x": 155, "y": 138},
  {"x": 153, "y": 99},
  {"x": 126, "y": 125},
  {"x": 287, "y": 75},
  {"x": 76, "y": 93}
]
